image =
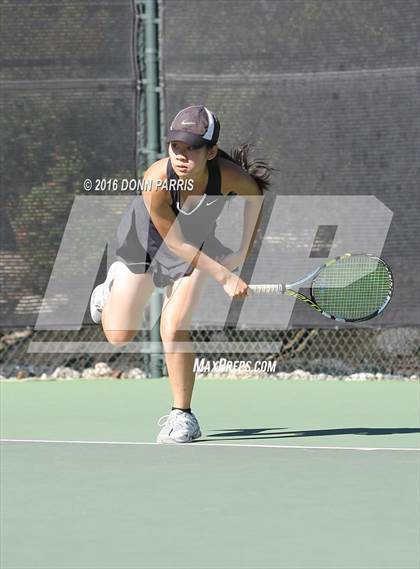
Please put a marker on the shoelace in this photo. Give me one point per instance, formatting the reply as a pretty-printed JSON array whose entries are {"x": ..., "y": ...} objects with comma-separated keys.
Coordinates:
[{"x": 185, "y": 419}]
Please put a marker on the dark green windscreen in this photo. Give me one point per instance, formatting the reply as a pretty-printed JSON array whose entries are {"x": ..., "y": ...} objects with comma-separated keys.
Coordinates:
[
  {"x": 328, "y": 92},
  {"x": 68, "y": 81}
]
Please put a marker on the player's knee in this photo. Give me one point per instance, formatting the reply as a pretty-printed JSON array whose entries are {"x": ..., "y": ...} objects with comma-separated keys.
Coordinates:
[
  {"x": 170, "y": 333},
  {"x": 120, "y": 338}
]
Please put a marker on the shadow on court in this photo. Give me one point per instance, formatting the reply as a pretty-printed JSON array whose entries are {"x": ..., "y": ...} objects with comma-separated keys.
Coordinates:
[{"x": 280, "y": 433}]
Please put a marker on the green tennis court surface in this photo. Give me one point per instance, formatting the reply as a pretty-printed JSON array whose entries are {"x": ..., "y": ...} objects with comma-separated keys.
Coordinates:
[{"x": 285, "y": 476}]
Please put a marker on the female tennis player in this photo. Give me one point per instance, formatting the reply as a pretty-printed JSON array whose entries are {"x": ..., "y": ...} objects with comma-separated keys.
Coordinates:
[{"x": 166, "y": 238}]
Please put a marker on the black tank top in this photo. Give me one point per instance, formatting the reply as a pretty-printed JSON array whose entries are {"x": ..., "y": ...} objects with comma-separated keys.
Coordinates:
[
  {"x": 199, "y": 223},
  {"x": 198, "y": 226}
]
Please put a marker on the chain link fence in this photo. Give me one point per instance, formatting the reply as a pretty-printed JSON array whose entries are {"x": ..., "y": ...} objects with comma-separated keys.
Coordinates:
[{"x": 85, "y": 353}]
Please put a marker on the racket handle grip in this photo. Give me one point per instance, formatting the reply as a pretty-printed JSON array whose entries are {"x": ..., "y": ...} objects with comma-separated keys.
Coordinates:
[{"x": 272, "y": 289}]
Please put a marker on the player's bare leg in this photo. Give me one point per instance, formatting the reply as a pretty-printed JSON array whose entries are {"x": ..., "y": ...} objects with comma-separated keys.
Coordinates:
[
  {"x": 123, "y": 311},
  {"x": 180, "y": 301}
]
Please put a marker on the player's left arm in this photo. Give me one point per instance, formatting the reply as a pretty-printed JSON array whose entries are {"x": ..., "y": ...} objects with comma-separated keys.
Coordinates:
[{"x": 236, "y": 180}]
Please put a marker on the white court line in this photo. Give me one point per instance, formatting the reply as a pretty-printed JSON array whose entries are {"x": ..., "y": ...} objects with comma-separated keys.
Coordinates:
[{"x": 203, "y": 444}]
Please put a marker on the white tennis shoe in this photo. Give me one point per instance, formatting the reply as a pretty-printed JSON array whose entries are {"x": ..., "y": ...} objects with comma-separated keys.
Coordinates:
[
  {"x": 179, "y": 427},
  {"x": 101, "y": 293}
]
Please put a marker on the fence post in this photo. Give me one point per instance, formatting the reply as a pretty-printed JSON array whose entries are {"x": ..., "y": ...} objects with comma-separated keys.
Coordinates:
[{"x": 150, "y": 131}]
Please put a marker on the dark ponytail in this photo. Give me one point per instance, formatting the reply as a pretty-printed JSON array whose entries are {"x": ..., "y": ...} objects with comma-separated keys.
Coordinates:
[{"x": 259, "y": 170}]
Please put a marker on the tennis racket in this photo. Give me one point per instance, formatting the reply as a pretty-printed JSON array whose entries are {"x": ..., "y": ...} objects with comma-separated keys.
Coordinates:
[{"x": 349, "y": 288}]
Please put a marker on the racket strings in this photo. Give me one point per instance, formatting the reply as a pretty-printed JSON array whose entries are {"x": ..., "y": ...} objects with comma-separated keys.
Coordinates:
[{"x": 353, "y": 288}]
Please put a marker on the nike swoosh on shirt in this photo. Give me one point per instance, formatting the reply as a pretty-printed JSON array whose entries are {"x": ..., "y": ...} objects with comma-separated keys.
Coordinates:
[{"x": 209, "y": 203}]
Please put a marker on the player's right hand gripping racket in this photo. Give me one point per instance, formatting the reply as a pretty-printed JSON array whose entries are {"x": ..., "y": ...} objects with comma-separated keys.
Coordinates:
[{"x": 349, "y": 288}]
